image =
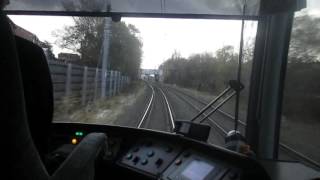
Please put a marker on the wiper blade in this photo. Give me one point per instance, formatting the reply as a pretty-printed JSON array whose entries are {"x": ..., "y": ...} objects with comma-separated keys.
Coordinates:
[
  {"x": 218, "y": 106},
  {"x": 233, "y": 85}
]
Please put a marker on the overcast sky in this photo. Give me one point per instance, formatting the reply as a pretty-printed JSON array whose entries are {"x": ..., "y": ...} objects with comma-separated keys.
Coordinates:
[{"x": 161, "y": 37}]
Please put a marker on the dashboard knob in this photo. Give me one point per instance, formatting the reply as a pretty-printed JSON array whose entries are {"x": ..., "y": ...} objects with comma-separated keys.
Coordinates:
[
  {"x": 144, "y": 162},
  {"x": 178, "y": 162},
  {"x": 159, "y": 162},
  {"x": 129, "y": 156},
  {"x": 136, "y": 159},
  {"x": 150, "y": 153}
]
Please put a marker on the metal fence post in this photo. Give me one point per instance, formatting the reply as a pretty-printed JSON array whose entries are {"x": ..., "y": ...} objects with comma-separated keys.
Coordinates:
[
  {"x": 119, "y": 81},
  {"x": 103, "y": 83},
  {"x": 68, "y": 80},
  {"x": 122, "y": 81},
  {"x": 114, "y": 83},
  {"x": 114, "y": 79},
  {"x": 95, "y": 96},
  {"x": 84, "y": 86},
  {"x": 110, "y": 84}
]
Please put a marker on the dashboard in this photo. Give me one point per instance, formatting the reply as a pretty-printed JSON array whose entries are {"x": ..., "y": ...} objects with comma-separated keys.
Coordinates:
[
  {"x": 146, "y": 154},
  {"x": 170, "y": 161}
]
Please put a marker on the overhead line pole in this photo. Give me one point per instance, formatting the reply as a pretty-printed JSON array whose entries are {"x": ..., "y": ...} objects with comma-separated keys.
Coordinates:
[{"x": 105, "y": 55}]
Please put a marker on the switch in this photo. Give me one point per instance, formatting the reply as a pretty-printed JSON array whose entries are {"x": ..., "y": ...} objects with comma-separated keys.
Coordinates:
[
  {"x": 150, "y": 153},
  {"x": 129, "y": 156},
  {"x": 136, "y": 159},
  {"x": 144, "y": 162},
  {"x": 159, "y": 162}
]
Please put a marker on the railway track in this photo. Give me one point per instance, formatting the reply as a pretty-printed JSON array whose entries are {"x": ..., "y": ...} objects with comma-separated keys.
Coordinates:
[
  {"x": 148, "y": 107},
  {"x": 223, "y": 130},
  {"x": 157, "y": 99}
]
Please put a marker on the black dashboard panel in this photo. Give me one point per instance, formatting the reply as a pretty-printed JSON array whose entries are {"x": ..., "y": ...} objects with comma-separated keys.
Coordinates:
[
  {"x": 169, "y": 161},
  {"x": 147, "y": 154},
  {"x": 150, "y": 156}
]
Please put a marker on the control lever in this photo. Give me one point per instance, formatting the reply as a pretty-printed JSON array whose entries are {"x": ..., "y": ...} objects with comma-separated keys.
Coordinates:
[{"x": 192, "y": 130}]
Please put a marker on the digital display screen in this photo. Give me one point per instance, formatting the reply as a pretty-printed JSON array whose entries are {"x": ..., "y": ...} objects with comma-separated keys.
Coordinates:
[{"x": 197, "y": 170}]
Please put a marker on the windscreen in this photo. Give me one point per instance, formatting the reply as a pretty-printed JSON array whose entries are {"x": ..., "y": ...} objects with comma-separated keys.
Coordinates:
[
  {"x": 142, "y": 72},
  {"x": 150, "y": 72},
  {"x": 210, "y": 7}
]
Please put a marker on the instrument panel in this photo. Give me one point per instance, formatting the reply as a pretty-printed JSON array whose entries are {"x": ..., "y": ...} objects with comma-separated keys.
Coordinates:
[
  {"x": 194, "y": 165},
  {"x": 169, "y": 161},
  {"x": 147, "y": 154}
]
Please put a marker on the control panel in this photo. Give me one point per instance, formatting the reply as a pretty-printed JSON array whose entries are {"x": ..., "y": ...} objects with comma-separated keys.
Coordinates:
[
  {"x": 150, "y": 157},
  {"x": 193, "y": 165},
  {"x": 155, "y": 155}
]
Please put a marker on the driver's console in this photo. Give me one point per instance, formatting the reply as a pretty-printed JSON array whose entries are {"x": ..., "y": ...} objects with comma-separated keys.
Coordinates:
[
  {"x": 145, "y": 154},
  {"x": 165, "y": 160}
]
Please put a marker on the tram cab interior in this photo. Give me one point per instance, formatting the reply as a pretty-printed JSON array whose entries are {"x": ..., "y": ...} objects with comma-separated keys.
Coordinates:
[{"x": 36, "y": 148}]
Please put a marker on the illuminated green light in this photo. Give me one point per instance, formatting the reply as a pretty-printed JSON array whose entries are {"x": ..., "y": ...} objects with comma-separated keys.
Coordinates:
[{"x": 79, "y": 133}]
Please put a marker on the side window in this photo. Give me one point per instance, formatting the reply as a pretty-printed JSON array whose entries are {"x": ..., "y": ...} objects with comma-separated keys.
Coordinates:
[{"x": 300, "y": 116}]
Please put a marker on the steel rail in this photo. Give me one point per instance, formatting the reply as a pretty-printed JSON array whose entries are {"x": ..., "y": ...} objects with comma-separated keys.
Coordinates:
[
  {"x": 147, "y": 110},
  {"x": 168, "y": 107}
]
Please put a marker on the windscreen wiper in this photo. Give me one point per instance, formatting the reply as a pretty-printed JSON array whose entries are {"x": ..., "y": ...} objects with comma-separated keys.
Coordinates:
[
  {"x": 234, "y": 86},
  {"x": 199, "y": 131}
]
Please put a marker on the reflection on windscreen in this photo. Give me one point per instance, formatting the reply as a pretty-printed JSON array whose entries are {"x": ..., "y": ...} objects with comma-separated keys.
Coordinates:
[{"x": 143, "y": 73}]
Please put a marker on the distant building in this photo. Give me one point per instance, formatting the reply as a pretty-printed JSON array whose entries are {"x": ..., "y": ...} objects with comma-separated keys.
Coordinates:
[
  {"x": 149, "y": 71},
  {"x": 149, "y": 74},
  {"x": 69, "y": 57}
]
